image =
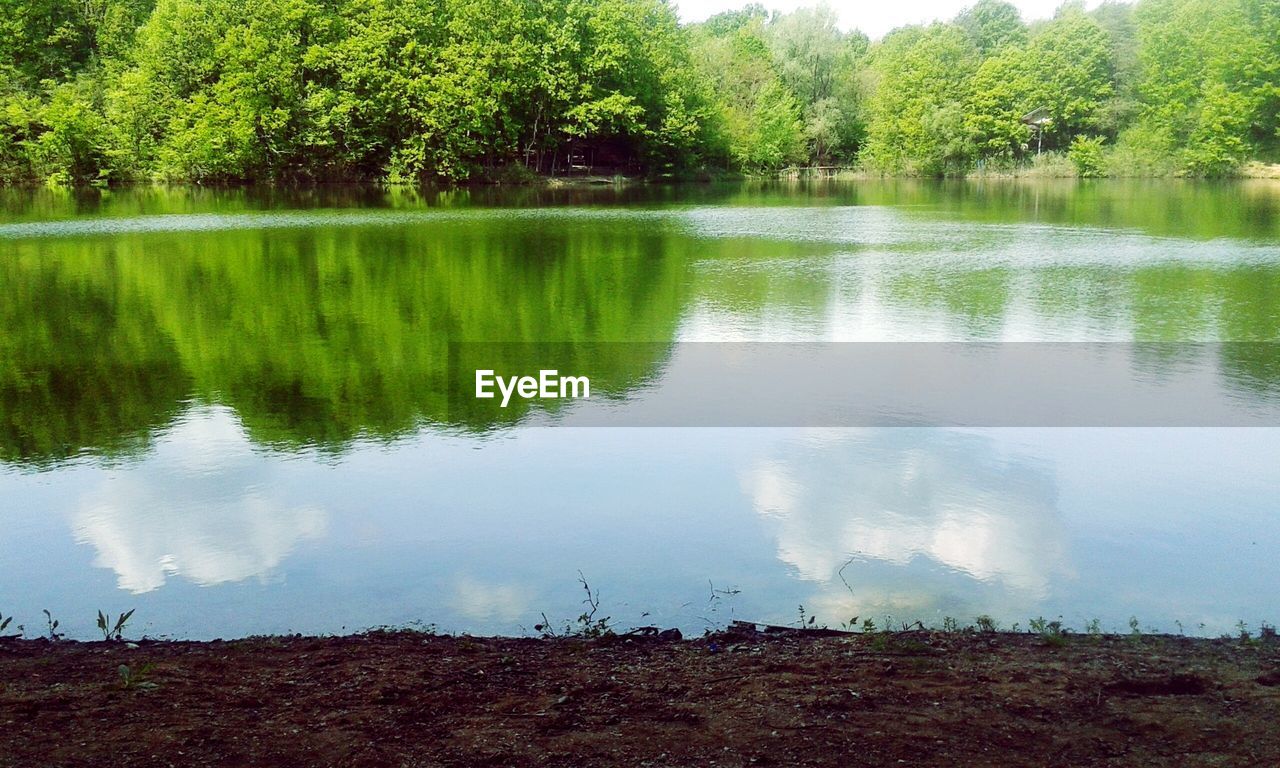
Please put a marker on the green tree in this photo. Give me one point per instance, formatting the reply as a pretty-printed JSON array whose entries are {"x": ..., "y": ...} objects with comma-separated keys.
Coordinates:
[
  {"x": 915, "y": 113},
  {"x": 992, "y": 25},
  {"x": 1264, "y": 78},
  {"x": 421, "y": 90},
  {"x": 1205, "y": 81},
  {"x": 19, "y": 125},
  {"x": 807, "y": 47},
  {"x": 73, "y": 145},
  {"x": 1086, "y": 155},
  {"x": 758, "y": 116},
  {"x": 1117, "y": 20},
  {"x": 55, "y": 39},
  {"x": 1064, "y": 69},
  {"x": 820, "y": 65}
]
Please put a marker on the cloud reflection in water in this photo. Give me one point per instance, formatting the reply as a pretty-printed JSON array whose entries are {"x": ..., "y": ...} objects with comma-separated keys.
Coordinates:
[
  {"x": 897, "y": 499},
  {"x": 213, "y": 516}
]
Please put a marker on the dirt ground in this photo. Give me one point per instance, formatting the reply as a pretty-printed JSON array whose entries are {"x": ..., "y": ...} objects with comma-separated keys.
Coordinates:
[{"x": 737, "y": 699}]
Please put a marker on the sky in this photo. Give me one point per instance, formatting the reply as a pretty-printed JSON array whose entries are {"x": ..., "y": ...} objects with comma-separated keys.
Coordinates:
[{"x": 874, "y": 17}]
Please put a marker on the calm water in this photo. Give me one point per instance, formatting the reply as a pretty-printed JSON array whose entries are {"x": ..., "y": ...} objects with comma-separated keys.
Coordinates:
[{"x": 227, "y": 409}]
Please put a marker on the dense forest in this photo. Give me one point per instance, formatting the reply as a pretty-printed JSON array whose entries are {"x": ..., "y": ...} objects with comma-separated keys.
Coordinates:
[{"x": 104, "y": 91}]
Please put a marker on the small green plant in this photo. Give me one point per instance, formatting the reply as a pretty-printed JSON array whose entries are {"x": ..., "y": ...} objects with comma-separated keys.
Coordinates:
[
  {"x": 950, "y": 625},
  {"x": 889, "y": 641},
  {"x": 1267, "y": 632},
  {"x": 54, "y": 634},
  {"x": 546, "y": 628},
  {"x": 1135, "y": 629},
  {"x": 113, "y": 631},
  {"x": 1052, "y": 632},
  {"x": 588, "y": 626},
  {"x": 986, "y": 624},
  {"x": 136, "y": 679},
  {"x": 807, "y": 620},
  {"x": 5, "y": 621},
  {"x": 1242, "y": 630},
  {"x": 868, "y": 625},
  {"x": 1093, "y": 628}
]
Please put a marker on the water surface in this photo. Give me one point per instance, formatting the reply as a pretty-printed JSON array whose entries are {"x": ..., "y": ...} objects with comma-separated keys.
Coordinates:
[{"x": 228, "y": 409}]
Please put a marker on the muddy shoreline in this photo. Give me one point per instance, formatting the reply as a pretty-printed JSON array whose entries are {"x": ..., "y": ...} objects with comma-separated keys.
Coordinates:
[{"x": 735, "y": 699}]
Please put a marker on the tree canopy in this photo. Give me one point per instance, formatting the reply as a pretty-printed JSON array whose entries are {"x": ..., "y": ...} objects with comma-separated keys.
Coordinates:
[{"x": 99, "y": 91}]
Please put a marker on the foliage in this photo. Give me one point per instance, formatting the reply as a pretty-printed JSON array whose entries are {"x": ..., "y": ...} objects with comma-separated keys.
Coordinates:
[
  {"x": 1085, "y": 154},
  {"x": 587, "y": 624},
  {"x": 101, "y": 91},
  {"x": 110, "y": 630},
  {"x": 1208, "y": 80},
  {"x": 1117, "y": 20},
  {"x": 992, "y": 25},
  {"x": 136, "y": 678},
  {"x": 1051, "y": 632},
  {"x": 1135, "y": 629},
  {"x": 221, "y": 90},
  {"x": 72, "y": 146},
  {"x": 757, "y": 118},
  {"x": 915, "y": 113},
  {"x": 818, "y": 64},
  {"x": 51, "y": 39},
  {"x": 1064, "y": 71},
  {"x": 52, "y": 624}
]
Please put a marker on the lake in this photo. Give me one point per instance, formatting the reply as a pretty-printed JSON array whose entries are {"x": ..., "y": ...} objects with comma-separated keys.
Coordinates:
[{"x": 231, "y": 409}]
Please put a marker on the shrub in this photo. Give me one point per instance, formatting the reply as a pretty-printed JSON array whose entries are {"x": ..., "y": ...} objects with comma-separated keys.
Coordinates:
[{"x": 1086, "y": 155}]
